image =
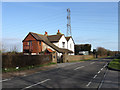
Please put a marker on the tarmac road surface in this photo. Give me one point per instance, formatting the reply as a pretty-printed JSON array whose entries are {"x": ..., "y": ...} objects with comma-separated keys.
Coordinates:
[{"x": 86, "y": 74}]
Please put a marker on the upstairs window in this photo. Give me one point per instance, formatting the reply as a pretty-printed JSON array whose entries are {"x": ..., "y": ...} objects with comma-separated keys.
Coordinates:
[
  {"x": 63, "y": 44},
  {"x": 40, "y": 43},
  {"x": 70, "y": 46},
  {"x": 27, "y": 43},
  {"x": 30, "y": 43}
]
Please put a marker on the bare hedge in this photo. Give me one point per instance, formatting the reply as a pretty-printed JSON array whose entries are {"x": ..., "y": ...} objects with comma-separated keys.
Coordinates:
[{"x": 11, "y": 61}]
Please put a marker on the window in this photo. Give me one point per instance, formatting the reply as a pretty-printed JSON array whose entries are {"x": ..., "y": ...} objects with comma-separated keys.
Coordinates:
[
  {"x": 63, "y": 44},
  {"x": 40, "y": 43},
  {"x": 30, "y": 43},
  {"x": 27, "y": 43},
  {"x": 70, "y": 46}
]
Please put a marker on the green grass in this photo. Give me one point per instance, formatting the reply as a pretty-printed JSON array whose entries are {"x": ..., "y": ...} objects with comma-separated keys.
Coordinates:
[
  {"x": 88, "y": 59},
  {"x": 25, "y": 68},
  {"x": 115, "y": 64},
  {"x": 82, "y": 60}
]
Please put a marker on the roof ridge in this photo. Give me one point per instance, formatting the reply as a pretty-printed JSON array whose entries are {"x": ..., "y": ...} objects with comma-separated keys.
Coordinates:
[
  {"x": 55, "y": 34},
  {"x": 35, "y": 33}
]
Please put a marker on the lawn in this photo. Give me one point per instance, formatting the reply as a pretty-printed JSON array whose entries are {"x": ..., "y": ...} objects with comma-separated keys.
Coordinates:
[{"x": 115, "y": 64}]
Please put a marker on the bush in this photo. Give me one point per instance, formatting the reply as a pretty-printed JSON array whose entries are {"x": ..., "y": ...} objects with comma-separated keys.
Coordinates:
[
  {"x": 17, "y": 60},
  {"x": 115, "y": 64}
]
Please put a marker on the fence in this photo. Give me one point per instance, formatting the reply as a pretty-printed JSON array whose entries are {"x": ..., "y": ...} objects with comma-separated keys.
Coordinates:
[{"x": 9, "y": 61}]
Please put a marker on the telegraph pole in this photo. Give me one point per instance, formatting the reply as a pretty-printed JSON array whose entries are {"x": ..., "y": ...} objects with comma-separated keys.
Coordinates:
[{"x": 68, "y": 23}]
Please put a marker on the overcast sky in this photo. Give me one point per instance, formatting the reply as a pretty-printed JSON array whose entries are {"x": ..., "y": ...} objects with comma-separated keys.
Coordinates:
[{"x": 91, "y": 23}]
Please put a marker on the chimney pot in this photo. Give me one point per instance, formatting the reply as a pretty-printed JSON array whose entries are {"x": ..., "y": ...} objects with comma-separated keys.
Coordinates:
[{"x": 46, "y": 33}]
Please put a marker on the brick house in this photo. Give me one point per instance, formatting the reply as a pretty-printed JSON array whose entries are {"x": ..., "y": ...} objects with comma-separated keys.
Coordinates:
[{"x": 37, "y": 43}]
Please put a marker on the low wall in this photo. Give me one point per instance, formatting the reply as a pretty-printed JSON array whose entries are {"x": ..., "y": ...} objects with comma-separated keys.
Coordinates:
[
  {"x": 77, "y": 57},
  {"x": 9, "y": 61}
]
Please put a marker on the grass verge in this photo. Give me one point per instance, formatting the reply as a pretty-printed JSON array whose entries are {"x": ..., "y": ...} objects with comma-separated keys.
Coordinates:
[
  {"x": 83, "y": 60},
  {"x": 115, "y": 64},
  {"x": 88, "y": 59},
  {"x": 4, "y": 70}
]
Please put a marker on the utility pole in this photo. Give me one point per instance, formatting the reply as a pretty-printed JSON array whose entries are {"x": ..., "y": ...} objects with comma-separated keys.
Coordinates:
[{"x": 68, "y": 23}]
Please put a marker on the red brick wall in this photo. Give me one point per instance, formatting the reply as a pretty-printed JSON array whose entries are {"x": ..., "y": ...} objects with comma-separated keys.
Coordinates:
[
  {"x": 78, "y": 57},
  {"x": 35, "y": 44}
]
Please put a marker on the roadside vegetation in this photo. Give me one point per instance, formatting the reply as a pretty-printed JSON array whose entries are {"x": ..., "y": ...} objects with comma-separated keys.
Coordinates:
[
  {"x": 105, "y": 52},
  {"x": 4, "y": 70},
  {"x": 101, "y": 52},
  {"x": 115, "y": 64}
]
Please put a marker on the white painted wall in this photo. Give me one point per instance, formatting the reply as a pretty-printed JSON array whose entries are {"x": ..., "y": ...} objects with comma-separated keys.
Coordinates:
[
  {"x": 71, "y": 45},
  {"x": 62, "y": 39},
  {"x": 60, "y": 45},
  {"x": 46, "y": 46},
  {"x": 56, "y": 43}
]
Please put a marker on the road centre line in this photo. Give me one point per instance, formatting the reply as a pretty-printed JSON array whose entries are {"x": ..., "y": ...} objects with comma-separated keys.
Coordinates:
[
  {"x": 36, "y": 84},
  {"x": 79, "y": 67},
  {"x": 88, "y": 84},
  {"x": 105, "y": 65},
  {"x": 99, "y": 72},
  {"x": 5, "y": 80},
  {"x": 101, "y": 68},
  {"x": 24, "y": 75},
  {"x": 95, "y": 76},
  {"x": 102, "y": 79},
  {"x": 92, "y": 62}
]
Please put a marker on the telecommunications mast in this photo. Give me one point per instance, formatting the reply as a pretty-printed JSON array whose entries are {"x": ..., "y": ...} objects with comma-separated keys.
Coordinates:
[{"x": 68, "y": 23}]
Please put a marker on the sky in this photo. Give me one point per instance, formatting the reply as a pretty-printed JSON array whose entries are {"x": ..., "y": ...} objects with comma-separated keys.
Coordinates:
[{"x": 94, "y": 23}]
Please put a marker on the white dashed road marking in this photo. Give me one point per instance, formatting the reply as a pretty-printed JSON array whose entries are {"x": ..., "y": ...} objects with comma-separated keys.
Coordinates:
[
  {"x": 79, "y": 67},
  {"x": 36, "y": 84},
  {"x": 101, "y": 68},
  {"x": 99, "y": 72},
  {"x": 24, "y": 75},
  {"x": 5, "y": 80},
  {"x": 95, "y": 76},
  {"x": 105, "y": 65},
  {"x": 88, "y": 84},
  {"x": 92, "y": 63},
  {"x": 103, "y": 79}
]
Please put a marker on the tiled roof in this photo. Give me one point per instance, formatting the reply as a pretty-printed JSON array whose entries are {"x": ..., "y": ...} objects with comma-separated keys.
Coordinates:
[
  {"x": 49, "y": 50},
  {"x": 46, "y": 41},
  {"x": 67, "y": 38},
  {"x": 54, "y": 38}
]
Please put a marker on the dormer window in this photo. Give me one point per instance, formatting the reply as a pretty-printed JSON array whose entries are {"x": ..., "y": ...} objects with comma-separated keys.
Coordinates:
[{"x": 63, "y": 44}]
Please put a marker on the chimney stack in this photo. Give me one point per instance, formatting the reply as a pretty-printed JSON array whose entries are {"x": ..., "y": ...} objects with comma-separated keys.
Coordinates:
[
  {"x": 46, "y": 33},
  {"x": 58, "y": 32}
]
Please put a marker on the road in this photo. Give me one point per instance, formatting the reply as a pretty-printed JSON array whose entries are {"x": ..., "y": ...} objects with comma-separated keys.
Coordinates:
[{"x": 86, "y": 74}]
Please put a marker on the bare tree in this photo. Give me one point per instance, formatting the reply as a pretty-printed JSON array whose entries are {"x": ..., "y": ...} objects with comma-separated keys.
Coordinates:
[
  {"x": 105, "y": 52},
  {"x": 101, "y": 51},
  {"x": 3, "y": 48},
  {"x": 14, "y": 49}
]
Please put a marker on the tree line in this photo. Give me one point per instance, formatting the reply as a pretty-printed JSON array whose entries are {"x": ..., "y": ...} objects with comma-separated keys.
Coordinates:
[{"x": 104, "y": 52}]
